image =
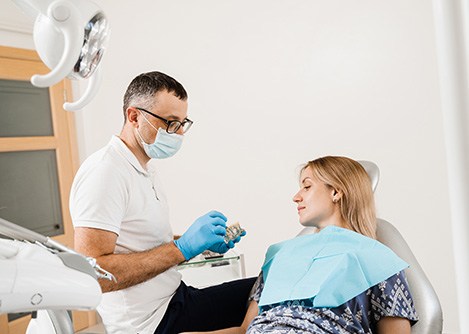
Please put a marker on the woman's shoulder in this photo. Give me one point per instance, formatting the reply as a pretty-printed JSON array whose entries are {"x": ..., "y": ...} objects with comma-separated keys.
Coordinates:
[{"x": 393, "y": 298}]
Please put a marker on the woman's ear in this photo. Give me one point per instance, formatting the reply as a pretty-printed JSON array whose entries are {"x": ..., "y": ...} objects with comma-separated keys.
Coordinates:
[{"x": 336, "y": 195}]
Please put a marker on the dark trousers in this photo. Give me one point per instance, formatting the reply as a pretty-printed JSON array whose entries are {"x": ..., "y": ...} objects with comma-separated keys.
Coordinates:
[{"x": 207, "y": 309}]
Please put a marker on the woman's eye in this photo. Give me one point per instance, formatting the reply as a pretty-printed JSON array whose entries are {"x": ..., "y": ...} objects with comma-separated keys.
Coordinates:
[{"x": 306, "y": 187}]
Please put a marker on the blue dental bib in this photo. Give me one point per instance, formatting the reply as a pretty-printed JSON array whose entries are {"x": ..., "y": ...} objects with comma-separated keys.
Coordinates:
[{"x": 327, "y": 268}]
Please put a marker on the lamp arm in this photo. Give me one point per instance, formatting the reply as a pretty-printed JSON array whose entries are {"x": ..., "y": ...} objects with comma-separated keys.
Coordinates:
[
  {"x": 88, "y": 95},
  {"x": 66, "y": 18}
]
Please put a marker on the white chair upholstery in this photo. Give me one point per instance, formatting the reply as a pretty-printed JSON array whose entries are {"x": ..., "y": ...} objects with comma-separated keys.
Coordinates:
[{"x": 426, "y": 301}]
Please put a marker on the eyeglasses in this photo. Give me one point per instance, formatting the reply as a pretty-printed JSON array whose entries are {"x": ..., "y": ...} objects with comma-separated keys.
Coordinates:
[{"x": 172, "y": 126}]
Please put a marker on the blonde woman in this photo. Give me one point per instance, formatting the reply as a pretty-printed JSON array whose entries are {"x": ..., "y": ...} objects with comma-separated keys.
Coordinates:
[{"x": 339, "y": 280}]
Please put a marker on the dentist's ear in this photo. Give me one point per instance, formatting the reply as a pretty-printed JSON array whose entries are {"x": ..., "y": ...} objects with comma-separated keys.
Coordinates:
[{"x": 132, "y": 115}]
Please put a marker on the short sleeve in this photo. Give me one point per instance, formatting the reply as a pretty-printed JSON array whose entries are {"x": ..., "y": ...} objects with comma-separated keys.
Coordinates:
[
  {"x": 98, "y": 198},
  {"x": 257, "y": 289},
  {"x": 392, "y": 298}
]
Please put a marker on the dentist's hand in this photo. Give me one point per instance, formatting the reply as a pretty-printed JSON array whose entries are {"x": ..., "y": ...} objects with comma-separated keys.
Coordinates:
[
  {"x": 223, "y": 247},
  {"x": 204, "y": 233}
]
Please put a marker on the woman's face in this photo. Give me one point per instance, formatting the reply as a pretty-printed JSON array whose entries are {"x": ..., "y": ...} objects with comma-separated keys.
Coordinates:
[{"x": 315, "y": 202}]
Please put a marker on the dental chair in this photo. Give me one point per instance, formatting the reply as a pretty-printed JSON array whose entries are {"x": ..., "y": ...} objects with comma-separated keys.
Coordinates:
[{"x": 425, "y": 299}]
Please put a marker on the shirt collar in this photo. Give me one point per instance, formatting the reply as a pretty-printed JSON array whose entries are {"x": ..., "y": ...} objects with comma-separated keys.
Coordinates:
[{"x": 122, "y": 149}]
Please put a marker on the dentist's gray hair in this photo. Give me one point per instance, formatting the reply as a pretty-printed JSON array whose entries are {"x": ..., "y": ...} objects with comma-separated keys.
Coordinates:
[{"x": 141, "y": 91}]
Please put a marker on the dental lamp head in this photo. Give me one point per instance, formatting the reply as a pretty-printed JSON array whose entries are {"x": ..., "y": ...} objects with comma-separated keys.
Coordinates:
[{"x": 70, "y": 37}]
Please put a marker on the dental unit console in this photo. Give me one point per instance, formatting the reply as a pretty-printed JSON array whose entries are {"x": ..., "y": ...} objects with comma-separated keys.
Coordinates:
[{"x": 39, "y": 273}]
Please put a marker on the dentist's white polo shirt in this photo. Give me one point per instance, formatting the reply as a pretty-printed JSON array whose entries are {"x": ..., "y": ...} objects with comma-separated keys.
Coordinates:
[{"x": 113, "y": 192}]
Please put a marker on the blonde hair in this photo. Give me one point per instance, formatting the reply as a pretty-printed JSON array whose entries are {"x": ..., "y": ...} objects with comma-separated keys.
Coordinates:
[{"x": 347, "y": 176}]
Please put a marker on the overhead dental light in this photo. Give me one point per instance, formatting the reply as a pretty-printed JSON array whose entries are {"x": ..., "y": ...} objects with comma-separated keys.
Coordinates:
[{"x": 70, "y": 37}]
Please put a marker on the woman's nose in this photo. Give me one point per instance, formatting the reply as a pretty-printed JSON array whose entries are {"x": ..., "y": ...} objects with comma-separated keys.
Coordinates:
[{"x": 297, "y": 198}]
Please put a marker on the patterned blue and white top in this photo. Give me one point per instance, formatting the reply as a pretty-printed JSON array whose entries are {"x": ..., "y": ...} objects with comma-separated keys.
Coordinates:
[{"x": 359, "y": 315}]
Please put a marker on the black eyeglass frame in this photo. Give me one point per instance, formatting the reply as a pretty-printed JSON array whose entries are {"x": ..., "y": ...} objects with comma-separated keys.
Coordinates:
[{"x": 170, "y": 122}]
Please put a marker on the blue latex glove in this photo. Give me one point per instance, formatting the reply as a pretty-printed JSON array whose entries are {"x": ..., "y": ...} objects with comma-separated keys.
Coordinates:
[
  {"x": 204, "y": 233},
  {"x": 223, "y": 247}
]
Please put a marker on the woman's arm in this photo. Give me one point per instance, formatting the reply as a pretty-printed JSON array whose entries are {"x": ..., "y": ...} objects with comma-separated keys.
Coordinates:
[
  {"x": 250, "y": 315},
  {"x": 393, "y": 325}
]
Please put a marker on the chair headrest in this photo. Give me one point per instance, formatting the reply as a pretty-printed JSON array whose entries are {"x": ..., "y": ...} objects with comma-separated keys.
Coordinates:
[{"x": 373, "y": 172}]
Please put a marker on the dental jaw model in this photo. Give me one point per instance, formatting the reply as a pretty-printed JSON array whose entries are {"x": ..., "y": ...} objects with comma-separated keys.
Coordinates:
[{"x": 233, "y": 231}]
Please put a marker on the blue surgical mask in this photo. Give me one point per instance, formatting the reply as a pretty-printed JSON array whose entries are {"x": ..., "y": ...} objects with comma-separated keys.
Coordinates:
[{"x": 166, "y": 144}]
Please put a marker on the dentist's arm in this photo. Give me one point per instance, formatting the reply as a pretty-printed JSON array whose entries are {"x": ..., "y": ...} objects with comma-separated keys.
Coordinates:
[
  {"x": 134, "y": 268},
  {"x": 128, "y": 269}
]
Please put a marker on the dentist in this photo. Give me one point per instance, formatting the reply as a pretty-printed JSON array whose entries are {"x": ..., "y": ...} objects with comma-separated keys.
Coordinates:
[{"x": 120, "y": 216}]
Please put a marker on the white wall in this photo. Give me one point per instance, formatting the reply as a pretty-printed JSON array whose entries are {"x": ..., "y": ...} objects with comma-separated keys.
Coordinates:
[
  {"x": 273, "y": 84},
  {"x": 15, "y": 27}
]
